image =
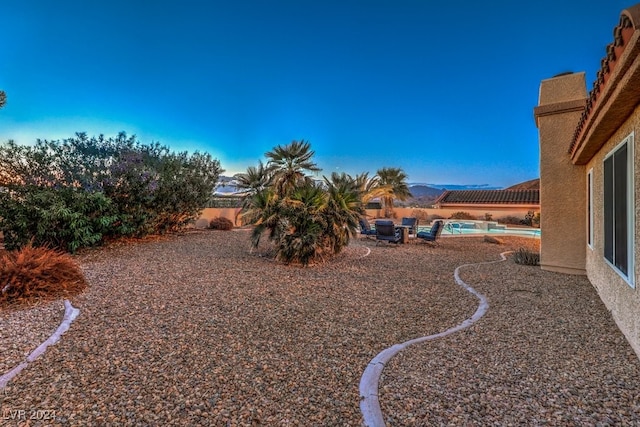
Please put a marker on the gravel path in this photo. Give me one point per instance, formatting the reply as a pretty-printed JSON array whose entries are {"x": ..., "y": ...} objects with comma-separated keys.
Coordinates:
[{"x": 196, "y": 330}]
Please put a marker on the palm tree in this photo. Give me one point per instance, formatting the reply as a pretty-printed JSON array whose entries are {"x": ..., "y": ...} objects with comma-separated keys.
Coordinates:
[
  {"x": 343, "y": 210},
  {"x": 288, "y": 164},
  {"x": 254, "y": 179},
  {"x": 3, "y": 98},
  {"x": 396, "y": 179},
  {"x": 303, "y": 238},
  {"x": 370, "y": 188},
  {"x": 261, "y": 209}
]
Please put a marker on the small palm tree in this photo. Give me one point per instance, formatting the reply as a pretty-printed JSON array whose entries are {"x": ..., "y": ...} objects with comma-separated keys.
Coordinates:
[
  {"x": 253, "y": 182},
  {"x": 396, "y": 179},
  {"x": 261, "y": 209},
  {"x": 288, "y": 164},
  {"x": 343, "y": 210},
  {"x": 254, "y": 179},
  {"x": 303, "y": 239},
  {"x": 370, "y": 188}
]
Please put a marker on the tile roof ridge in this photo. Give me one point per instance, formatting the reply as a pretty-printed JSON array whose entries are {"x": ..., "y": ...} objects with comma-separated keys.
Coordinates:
[{"x": 629, "y": 22}]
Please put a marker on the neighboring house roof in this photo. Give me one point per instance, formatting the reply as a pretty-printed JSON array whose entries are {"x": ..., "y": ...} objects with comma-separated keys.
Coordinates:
[
  {"x": 489, "y": 197},
  {"x": 616, "y": 91}
]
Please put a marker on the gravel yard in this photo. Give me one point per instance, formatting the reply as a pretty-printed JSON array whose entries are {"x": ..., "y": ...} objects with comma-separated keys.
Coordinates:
[{"x": 194, "y": 329}]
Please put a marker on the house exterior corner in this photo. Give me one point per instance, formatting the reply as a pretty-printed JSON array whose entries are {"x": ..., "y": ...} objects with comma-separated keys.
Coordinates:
[{"x": 589, "y": 163}]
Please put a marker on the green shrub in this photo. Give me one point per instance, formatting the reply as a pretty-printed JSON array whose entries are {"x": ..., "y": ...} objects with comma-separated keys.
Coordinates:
[
  {"x": 526, "y": 257},
  {"x": 77, "y": 192},
  {"x": 221, "y": 223},
  {"x": 38, "y": 273},
  {"x": 462, "y": 215},
  {"x": 65, "y": 218},
  {"x": 488, "y": 216}
]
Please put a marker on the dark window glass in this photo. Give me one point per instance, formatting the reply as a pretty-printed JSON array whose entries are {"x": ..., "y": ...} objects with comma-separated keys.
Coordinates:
[
  {"x": 620, "y": 208},
  {"x": 616, "y": 232},
  {"x": 589, "y": 208},
  {"x": 608, "y": 209}
]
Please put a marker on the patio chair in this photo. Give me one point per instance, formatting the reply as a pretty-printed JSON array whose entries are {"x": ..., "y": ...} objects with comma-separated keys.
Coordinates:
[
  {"x": 365, "y": 228},
  {"x": 413, "y": 224},
  {"x": 433, "y": 234},
  {"x": 386, "y": 231}
]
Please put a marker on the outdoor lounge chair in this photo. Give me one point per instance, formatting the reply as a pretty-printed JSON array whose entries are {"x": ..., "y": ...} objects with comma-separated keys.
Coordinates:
[
  {"x": 433, "y": 234},
  {"x": 386, "y": 232},
  {"x": 413, "y": 224},
  {"x": 365, "y": 228}
]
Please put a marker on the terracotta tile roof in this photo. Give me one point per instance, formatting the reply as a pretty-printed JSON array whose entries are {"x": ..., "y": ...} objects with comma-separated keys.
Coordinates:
[
  {"x": 482, "y": 197},
  {"x": 599, "y": 94}
]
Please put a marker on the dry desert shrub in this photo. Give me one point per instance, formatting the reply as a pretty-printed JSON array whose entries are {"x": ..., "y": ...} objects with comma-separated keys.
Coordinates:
[
  {"x": 461, "y": 215},
  {"x": 34, "y": 273},
  {"x": 221, "y": 223},
  {"x": 526, "y": 257}
]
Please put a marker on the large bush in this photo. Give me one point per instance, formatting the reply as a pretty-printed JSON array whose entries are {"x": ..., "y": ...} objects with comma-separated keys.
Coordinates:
[
  {"x": 76, "y": 192},
  {"x": 65, "y": 218}
]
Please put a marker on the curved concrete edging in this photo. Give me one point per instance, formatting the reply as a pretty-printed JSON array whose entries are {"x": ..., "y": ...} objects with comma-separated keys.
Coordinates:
[
  {"x": 370, "y": 380},
  {"x": 70, "y": 313}
]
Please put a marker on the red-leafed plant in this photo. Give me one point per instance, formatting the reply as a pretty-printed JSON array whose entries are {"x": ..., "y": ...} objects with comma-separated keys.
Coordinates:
[{"x": 37, "y": 273}]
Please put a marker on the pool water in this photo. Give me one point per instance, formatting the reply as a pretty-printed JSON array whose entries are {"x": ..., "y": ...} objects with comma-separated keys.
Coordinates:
[{"x": 449, "y": 230}]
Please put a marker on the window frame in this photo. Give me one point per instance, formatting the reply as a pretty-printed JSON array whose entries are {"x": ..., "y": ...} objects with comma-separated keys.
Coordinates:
[
  {"x": 590, "y": 222},
  {"x": 629, "y": 276}
]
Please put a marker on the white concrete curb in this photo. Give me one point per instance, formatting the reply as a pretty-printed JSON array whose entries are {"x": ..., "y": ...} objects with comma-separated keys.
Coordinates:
[
  {"x": 70, "y": 313},
  {"x": 370, "y": 380}
]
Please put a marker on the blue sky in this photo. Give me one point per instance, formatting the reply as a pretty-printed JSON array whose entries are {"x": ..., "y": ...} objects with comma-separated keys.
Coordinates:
[{"x": 444, "y": 90}]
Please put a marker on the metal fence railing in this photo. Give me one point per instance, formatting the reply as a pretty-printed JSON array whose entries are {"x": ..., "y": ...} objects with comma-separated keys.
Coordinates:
[{"x": 225, "y": 202}]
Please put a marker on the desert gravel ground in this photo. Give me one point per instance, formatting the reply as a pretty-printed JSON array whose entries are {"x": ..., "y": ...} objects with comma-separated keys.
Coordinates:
[{"x": 195, "y": 329}]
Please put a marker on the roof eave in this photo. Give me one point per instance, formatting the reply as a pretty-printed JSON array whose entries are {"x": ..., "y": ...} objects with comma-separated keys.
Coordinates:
[{"x": 613, "y": 99}]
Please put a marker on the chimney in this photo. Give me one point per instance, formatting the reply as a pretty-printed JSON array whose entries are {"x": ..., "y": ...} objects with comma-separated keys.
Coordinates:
[{"x": 562, "y": 184}]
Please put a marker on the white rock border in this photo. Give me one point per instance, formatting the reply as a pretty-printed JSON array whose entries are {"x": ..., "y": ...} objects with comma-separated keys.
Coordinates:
[
  {"x": 70, "y": 313},
  {"x": 370, "y": 380}
]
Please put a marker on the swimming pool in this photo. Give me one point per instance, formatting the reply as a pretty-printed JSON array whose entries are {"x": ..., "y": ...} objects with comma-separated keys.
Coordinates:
[{"x": 455, "y": 229}]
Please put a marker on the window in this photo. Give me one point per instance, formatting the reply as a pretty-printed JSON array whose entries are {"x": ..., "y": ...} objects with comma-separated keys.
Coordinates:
[
  {"x": 618, "y": 209},
  {"x": 590, "y": 208}
]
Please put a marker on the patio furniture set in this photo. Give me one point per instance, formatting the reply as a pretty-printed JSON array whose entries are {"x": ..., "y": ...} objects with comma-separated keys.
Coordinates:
[{"x": 388, "y": 231}]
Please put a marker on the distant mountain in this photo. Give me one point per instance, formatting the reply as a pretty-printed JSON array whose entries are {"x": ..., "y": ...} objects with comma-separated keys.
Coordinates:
[
  {"x": 533, "y": 184},
  {"x": 461, "y": 186},
  {"x": 425, "y": 191},
  {"x": 423, "y": 196}
]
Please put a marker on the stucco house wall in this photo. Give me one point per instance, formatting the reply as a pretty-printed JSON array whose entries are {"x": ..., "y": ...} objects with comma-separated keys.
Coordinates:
[
  {"x": 620, "y": 298},
  {"x": 610, "y": 114}
]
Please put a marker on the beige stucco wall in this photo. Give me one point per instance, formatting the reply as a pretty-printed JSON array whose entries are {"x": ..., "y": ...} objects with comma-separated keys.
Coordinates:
[
  {"x": 621, "y": 299},
  {"x": 496, "y": 214},
  {"x": 562, "y": 199},
  {"x": 209, "y": 213}
]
